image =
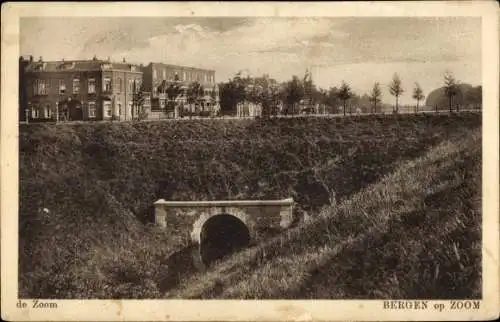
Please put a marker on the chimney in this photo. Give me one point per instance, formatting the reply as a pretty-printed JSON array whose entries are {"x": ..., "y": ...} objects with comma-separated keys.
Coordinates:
[
  {"x": 40, "y": 59},
  {"x": 124, "y": 60},
  {"x": 95, "y": 57},
  {"x": 63, "y": 60},
  {"x": 31, "y": 58}
]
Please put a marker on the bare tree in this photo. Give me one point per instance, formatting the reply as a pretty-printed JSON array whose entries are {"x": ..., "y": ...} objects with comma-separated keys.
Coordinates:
[
  {"x": 450, "y": 88},
  {"x": 418, "y": 94},
  {"x": 375, "y": 96},
  {"x": 396, "y": 89},
  {"x": 344, "y": 94}
]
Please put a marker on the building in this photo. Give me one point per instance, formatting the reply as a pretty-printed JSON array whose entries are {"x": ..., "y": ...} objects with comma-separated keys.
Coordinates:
[
  {"x": 79, "y": 90},
  {"x": 261, "y": 95},
  {"x": 23, "y": 63},
  {"x": 158, "y": 77}
]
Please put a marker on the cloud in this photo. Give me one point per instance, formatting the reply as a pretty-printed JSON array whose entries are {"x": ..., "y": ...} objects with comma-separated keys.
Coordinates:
[{"x": 183, "y": 28}]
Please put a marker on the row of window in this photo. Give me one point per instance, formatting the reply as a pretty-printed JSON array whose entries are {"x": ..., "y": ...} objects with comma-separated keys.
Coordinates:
[
  {"x": 91, "y": 109},
  {"x": 186, "y": 76},
  {"x": 206, "y": 92},
  {"x": 42, "y": 86},
  {"x": 47, "y": 110}
]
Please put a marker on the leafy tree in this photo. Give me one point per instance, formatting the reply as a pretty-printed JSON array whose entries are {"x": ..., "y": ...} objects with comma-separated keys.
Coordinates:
[
  {"x": 474, "y": 97},
  {"x": 227, "y": 96},
  {"x": 396, "y": 89},
  {"x": 293, "y": 93},
  {"x": 232, "y": 92},
  {"x": 264, "y": 91},
  {"x": 375, "y": 97},
  {"x": 138, "y": 99},
  {"x": 173, "y": 91},
  {"x": 418, "y": 94},
  {"x": 213, "y": 96},
  {"x": 331, "y": 97},
  {"x": 194, "y": 94},
  {"x": 450, "y": 88},
  {"x": 344, "y": 94}
]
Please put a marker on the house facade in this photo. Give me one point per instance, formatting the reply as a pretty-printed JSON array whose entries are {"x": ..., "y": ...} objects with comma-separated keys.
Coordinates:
[
  {"x": 158, "y": 77},
  {"x": 78, "y": 90}
]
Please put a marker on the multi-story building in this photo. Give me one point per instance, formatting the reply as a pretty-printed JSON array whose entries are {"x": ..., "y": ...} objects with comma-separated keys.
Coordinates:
[
  {"x": 79, "y": 89},
  {"x": 23, "y": 63},
  {"x": 158, "y": 76}
]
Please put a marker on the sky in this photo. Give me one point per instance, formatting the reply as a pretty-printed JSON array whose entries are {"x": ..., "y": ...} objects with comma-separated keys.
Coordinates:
[{"x": 357, "y": 50}]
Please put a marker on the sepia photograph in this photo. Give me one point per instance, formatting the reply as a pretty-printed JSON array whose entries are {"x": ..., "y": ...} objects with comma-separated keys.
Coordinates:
[{"x": 299, "y": 157}]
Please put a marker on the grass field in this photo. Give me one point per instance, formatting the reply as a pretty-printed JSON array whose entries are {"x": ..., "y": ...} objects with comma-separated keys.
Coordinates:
[{"x": 372, "y": 186}]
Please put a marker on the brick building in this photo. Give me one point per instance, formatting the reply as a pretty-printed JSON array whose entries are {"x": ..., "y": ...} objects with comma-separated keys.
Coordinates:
[
  {"x": 158, "y": 76},
  {"x": 78, "y": 89}
]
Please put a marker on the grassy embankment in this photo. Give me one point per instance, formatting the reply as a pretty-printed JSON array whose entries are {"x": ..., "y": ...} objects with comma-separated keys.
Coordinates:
[
  {"x": 99, "y": 181},
  {"x": 414, "y": 234}
]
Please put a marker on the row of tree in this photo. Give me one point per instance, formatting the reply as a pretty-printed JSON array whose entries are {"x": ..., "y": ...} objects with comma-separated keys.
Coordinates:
[{"x": 289, "y": 97}]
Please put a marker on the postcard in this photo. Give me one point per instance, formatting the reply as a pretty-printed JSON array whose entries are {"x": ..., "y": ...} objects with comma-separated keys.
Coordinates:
[{"x": 250, "y": 161}]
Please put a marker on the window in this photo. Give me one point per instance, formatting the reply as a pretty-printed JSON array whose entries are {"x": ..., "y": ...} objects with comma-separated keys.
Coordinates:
[
  {"x": 184, "y": 76},
  {"x": 41, "y": 87},
  {"x": 107, "y": 84},
  {"x": 76, "y": 85},
  {"x": 120, "y": 85},
  {"x": 107, "y": 109},
  {"x": 92, "y": 111},
  {"x": 154, "y": 74},
  {"x": 133, "y": 85},
  {"x": 129, "y": 109},
  {"x": 164, "y": 74},
  {"x": 155, "y": 91},
  {"x": 47, "y": 112},
  {"x": 34, "y": 112},
  {"x": 62, "y": 86},
  {"x": 91, "y": 83}
]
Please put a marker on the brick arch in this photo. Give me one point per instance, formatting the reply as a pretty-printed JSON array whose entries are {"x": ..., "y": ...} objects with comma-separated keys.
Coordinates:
[{"x": 235, "y": 212}]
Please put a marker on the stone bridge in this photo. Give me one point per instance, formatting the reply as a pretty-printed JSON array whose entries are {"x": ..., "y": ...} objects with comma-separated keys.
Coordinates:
[{"x": 220, "y": 227}]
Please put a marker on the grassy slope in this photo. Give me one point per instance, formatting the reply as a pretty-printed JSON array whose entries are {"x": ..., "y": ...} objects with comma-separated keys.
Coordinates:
[
  {"x": 414, "y": 234},
  {"x": 99, "y": 181}
]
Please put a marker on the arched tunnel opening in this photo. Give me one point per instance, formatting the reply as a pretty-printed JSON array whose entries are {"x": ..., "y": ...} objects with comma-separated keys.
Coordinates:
[{"x": 222, "y": 235}]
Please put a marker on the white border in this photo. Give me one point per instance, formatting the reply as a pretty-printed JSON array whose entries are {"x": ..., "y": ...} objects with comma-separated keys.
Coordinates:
[{"x": 158, "y": 310}]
